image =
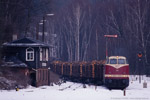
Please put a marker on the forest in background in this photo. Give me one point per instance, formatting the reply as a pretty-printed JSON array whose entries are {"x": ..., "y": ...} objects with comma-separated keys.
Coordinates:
[{"x": 77, "y": 29}]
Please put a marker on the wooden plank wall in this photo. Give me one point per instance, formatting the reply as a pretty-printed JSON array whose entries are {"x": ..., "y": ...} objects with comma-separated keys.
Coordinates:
[{"x": 42, "y": 76}]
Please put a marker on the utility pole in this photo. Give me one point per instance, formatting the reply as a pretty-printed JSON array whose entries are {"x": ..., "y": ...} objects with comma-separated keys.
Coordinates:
[
  {"x": 37, "y": 31},
  {"x": 43, "y": 35},
  {"x": 43, "y": 21},
  {"x": 96, "y": 45}
]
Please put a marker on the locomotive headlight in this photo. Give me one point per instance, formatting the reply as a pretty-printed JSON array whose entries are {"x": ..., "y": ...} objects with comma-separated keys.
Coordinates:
[{"x": 109, "y": 75}]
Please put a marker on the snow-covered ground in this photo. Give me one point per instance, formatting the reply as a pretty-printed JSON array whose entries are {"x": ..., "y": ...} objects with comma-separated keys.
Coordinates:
[{"x": 75, "y": 91}]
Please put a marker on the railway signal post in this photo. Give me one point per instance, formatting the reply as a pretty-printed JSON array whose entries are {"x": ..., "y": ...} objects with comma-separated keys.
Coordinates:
[
  {"x": 139, "y": 65},
  {"x": 108, "y": 36}
]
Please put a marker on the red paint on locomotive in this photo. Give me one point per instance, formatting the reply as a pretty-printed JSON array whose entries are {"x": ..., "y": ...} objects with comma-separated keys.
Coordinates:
[{"x": 116, "y": 72}]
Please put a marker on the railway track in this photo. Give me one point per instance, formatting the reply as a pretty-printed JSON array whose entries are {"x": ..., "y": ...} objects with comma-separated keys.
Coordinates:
[
  {"x": 62, "y": 89},
  {"x": 72, "y": 87}
]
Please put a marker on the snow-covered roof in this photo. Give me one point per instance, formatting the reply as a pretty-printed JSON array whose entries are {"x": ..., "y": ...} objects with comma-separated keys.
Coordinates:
[
  {"x": 9, "y": 64},
  {"x": 12, "y": 61},
  {"x": 25, "y": 45},
  {"x": 26, "y": 42}
]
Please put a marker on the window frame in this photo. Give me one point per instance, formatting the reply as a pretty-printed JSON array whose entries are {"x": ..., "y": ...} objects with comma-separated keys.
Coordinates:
[
  {"x": 30, "y": 57},
  {"x": 44, "y": 54}
]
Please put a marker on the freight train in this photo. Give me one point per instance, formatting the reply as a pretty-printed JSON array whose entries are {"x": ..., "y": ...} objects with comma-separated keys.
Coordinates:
[{"x": 114, "y": 73}]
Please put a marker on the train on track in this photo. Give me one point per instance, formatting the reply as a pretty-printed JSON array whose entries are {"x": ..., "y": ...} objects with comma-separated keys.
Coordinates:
[
  {"x": 116, "y": 72},
  {"x": 113, "y": 73}
]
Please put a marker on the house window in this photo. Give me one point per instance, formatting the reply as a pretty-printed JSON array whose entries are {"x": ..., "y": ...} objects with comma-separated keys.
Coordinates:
[
  {"x": 46, "y": 54},
  {"x": 43, "y": 54},
  {"x": 29, "y": 54},
  {"x": 40, "y": 54}
]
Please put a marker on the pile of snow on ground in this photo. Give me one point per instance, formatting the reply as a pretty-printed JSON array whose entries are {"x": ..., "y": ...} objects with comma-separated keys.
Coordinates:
[{"x": 75, "y": 91}]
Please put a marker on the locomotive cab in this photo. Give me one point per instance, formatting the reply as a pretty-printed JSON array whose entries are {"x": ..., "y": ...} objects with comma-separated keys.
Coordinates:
[{"x": 117, "y": 72}]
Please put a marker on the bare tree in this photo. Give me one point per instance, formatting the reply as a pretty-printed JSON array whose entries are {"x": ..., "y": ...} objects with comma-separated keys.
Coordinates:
[{"x": 139, "y": 15}]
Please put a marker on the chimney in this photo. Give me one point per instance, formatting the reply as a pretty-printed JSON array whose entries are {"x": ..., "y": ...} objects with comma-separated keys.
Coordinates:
[{"x": 14, "y": 37}]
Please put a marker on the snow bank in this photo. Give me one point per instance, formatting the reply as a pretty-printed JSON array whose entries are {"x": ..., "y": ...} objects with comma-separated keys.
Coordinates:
[{"x": 75, "y": 91}]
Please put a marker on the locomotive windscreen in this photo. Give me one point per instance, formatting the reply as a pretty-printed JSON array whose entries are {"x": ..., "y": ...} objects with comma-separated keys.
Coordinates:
[
  {"x": 121, "y": 61},
  {"x": 116, "y": 60},
  {"x": 113, "y": 61}
]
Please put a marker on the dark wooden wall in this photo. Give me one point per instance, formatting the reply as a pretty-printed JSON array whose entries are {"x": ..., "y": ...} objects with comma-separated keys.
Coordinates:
[{"x": 42, "y": 76}]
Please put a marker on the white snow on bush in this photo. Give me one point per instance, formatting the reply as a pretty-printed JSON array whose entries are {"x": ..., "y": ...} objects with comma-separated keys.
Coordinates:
[{"x": 6, "y": 81}]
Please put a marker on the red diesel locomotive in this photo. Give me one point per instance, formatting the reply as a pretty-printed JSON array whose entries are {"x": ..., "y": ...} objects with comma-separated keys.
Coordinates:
[{"x": 116, "y": 72}]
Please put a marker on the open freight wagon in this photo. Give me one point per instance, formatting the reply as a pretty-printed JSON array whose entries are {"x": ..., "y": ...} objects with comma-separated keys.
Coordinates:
[{"x": 85, "y": 72}]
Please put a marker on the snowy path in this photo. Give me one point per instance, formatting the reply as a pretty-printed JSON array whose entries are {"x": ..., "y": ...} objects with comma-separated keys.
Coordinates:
[{"x": 75, "y": 91}]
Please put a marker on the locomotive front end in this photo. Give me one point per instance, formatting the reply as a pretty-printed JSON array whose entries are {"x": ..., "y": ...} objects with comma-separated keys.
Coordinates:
[{"x": 116, "y": 72}]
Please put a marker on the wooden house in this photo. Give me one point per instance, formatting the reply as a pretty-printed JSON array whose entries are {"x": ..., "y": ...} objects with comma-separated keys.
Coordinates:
[{"x": 33, "y": 54}]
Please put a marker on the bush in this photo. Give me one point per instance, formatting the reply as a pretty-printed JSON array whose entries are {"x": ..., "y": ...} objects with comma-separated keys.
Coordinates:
[{"x": 10, "y": 78}]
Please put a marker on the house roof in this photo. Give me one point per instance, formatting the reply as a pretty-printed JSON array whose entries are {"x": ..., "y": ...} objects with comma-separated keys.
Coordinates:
[
  {"x": 26, "y": 42},
  {"x": 12, "y": 61}
]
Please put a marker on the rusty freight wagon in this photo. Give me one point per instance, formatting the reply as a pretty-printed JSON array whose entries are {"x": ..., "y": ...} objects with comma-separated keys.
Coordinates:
[{"x": 86, "y": 72}]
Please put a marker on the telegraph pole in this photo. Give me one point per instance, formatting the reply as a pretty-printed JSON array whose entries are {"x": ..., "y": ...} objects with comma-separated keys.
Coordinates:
[
  {"x": 43, "y": 22},
  {"x": 43, "y": 35}
]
